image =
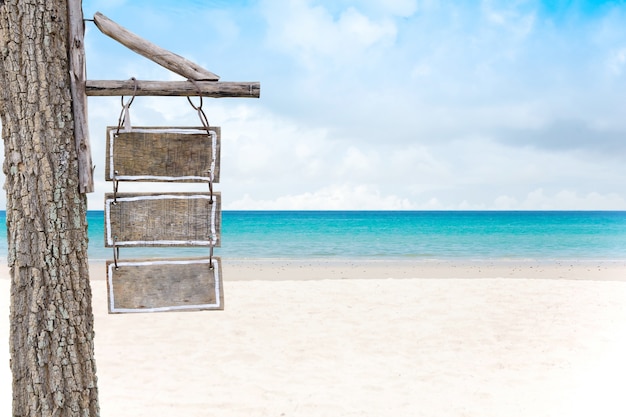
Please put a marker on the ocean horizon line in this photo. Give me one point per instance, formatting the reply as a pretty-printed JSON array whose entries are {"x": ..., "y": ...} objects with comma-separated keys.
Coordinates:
[
  {"x": 397, "y": 234},
  {"x": 417, "y": 210}
]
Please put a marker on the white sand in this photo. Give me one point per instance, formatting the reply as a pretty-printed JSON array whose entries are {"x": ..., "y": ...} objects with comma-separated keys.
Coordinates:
[{"x": 377, "y": 345}]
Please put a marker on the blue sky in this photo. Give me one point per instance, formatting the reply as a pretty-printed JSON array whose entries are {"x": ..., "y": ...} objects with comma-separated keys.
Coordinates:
[{"x": 390, "y": 104}]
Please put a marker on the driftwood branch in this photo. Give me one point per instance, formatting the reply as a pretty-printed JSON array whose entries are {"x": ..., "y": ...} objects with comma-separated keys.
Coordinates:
[
  {"x": 79, "y": 98},
  {"x": 163, "y": 57},
  {"x": 173, "y": 88}
]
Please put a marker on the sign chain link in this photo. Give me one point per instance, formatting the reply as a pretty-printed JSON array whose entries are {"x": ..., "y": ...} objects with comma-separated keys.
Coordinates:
[
  {"x": 123, "y": 121},
  {"x": 205, "y": 123}
]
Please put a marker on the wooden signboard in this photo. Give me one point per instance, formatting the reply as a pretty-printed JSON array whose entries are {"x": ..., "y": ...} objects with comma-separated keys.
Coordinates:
[
  {"x": 159, "y": 154},
  {"x": 138, "y": 286},
  {"x": 183, "y": 154},
  {"x": 172, "y": 219}
]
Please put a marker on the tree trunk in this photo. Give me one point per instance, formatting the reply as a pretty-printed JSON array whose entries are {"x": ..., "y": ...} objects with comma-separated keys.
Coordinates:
[{"x": 51, "y": 333}]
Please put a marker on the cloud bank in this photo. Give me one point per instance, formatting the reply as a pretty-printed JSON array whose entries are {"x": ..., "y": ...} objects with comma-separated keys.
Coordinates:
[{"x": 391, "y": 105}]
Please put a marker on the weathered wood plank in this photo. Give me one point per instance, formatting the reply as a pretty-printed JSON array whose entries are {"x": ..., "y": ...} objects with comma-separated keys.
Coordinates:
[
  {"x": 79, "y": 96},
  {"x": 163, "y": 57},
  {"x": 144, "y": 286},
  {"x": 175, "y": 154},
  {"x": 173, "y": 219},
  {"x": 173, "y": 88}
]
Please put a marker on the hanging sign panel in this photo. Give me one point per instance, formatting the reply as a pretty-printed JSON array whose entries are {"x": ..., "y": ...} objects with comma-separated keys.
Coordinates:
[
  {"x": 173, "y": 219},
  {"x": 145, "y": 286},
  {"x": 182, "y": 154}
]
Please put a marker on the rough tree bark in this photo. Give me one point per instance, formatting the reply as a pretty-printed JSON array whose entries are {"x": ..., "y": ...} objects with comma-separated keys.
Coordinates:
[{"x": 51, "y": 330}]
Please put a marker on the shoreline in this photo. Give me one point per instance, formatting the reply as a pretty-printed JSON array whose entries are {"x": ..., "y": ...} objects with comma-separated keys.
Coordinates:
[
  {"x": 269, "y": 269},
  {"x": 388, "y": 269},
  {"x": 323, "y": 269}
]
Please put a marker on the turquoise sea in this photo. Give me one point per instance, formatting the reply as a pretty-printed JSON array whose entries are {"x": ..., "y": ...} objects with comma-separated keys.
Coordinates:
[{"x": 403, "y": 235}]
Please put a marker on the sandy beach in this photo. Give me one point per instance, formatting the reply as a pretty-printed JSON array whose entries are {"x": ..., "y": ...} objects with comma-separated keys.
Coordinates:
[{"x": 301, "y": 338}]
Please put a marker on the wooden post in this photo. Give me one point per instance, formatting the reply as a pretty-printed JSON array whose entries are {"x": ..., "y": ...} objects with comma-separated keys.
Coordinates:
[
  {"x": 173, "y": 88},
  {"x": 163, "y": 57},
  {"x": 79, "y": 96}
]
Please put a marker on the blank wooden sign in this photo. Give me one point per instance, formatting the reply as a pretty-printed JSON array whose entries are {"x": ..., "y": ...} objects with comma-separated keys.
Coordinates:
[
  {"x": 144, "y": 286},
  {"x": 173, "y": 219},
  {"x": 184, "y": 154}
]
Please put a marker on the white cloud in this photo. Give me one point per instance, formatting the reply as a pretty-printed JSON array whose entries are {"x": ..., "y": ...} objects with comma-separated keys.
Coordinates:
[
  {"x": 421, "y": 70},
  {"x": 617, "y": 61},
  {"x": 359, "y": 164},
  {"x": 511, "y": 16},
  {"x": 504, "y": 202},
  {"x": 421, "y": 104},
  {"x": 312, "y": 33},
  {"x": 402, "y": 8},
  {"x": 360, "y": 30},
  {"x": 333, "y": 197},
  {"x": 565, "y": 199},
  {"x": 269, "y": 161}
]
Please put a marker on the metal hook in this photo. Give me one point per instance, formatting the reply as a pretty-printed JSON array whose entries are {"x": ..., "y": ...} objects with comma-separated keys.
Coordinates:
[
  {"x": 124, "y": 114},
  {"x": 130, "y": 101},
  {"x": 116, "y": 255},
  {"x": 204, "y": 120},
  {"x": 201, "y": 114},
  {"x": 199, "y": 94},
  {"x": 210, "y": 186},
  {"x": 193, "y": 105},
  {"x": 211, "y": 256},
  {"x": 116, "y": 185}
]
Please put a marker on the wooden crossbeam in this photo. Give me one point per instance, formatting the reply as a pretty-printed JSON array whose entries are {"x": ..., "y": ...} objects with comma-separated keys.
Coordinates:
[
  {"x": 173, "y": 88},
  {"x": 163, "y": 57}
]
